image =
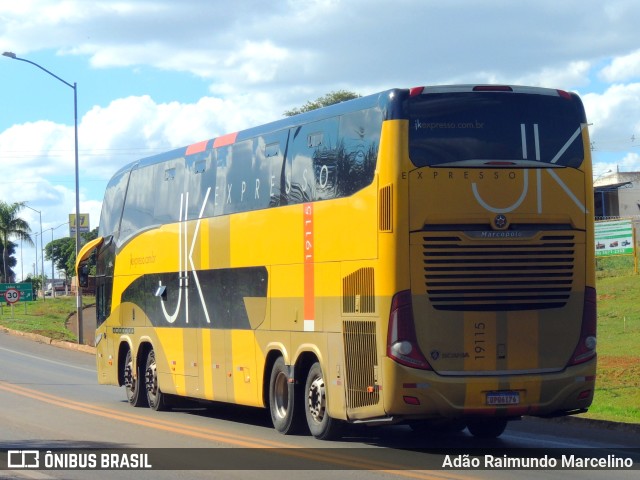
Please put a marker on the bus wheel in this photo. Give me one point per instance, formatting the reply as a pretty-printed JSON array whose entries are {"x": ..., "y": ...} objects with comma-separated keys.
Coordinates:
[
  {"x": 285, "y": 402},
  {"x": 487, "y": 427},
  {"x": 321, "y": 425},
  {"x": 157, "y": 399},
  {"x": 133, "y": 384}
]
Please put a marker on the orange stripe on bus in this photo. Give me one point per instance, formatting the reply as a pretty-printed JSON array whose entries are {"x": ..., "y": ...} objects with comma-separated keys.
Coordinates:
[
  {"x": 197, "y": 147},
  {"x": 309, "y": 276},
  {"x": 227, "y": 139}
]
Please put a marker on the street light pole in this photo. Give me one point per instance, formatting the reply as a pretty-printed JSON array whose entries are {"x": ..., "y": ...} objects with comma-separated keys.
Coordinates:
[
  {"x": 41, "y": 251},
  {"x": 53, "y": 276},
  {"x": 35, "y": 272},
  {"x": 75, "y": 118}
]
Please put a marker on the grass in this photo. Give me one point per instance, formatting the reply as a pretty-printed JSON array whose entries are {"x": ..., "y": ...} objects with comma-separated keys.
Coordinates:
[
  {"x": 617, "y": 395},
  {"x": 47, "y": 318},
  {"x": 618, "y": 379}
]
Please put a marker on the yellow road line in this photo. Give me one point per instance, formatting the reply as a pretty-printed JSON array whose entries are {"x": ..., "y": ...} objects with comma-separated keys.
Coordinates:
[{"x": 227, "y": 438}]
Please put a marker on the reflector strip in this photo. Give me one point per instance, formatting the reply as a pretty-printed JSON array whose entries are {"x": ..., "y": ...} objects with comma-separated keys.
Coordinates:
[
  {"x": 197, "y": 147},
  {"x": 309, "y": 270},
  {"x": 227, "y": 139}
]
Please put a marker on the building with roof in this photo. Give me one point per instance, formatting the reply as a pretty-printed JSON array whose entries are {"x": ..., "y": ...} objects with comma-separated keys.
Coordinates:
[{"x": 617, "y": 195}]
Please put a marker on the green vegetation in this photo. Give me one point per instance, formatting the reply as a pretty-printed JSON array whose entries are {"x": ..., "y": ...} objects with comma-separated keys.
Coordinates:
[
  {"x": 618, "y": 383},
  {"x": 331, "y": 98},
  {"x": 47, "y": 318},
  {"x": 11, "y": 226}
]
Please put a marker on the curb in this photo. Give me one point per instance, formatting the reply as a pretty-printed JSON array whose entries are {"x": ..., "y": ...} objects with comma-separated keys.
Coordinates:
[
  {"x": 49, "y": 341},
  {"x": 576, "y": 421}
]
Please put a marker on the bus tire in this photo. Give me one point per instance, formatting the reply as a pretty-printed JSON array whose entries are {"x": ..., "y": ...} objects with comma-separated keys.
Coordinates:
[
  {"x": 285, "y": 400},
  {"x": 156, "y": 399},
  {"x": 134, "y": 383},
  {"x": 487, "y": 427},
  {"x": 321, "y": 425}
]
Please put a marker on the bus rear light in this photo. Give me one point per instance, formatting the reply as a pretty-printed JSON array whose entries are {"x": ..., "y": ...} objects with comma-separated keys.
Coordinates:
[
  {"x": 402, "y": 344},
  {"x": 584, "y": 394},
  {"x": 415, "y": 91},
  {"x": 564, "y": 94},
  {"x": 586, "y": 348},
  {"x": 499, "y": 163},
  {"x": 492, "y": 88},
  {"x": 411, "y": 400}
]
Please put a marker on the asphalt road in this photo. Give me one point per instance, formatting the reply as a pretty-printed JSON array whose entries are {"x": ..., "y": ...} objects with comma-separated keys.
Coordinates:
[{"x": 49, "y": 399}]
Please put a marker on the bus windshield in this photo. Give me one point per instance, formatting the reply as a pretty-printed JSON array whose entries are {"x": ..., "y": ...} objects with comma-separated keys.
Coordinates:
[{"x": 483, "y": 129}]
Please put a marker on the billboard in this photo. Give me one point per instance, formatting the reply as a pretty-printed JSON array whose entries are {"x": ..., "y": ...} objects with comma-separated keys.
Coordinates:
[
  {"x": 614, "y": 238},
  {"x": 84, "y": 224}
]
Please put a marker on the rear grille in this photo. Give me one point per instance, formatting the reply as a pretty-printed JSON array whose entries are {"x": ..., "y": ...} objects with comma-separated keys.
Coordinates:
[
  {"x": 385, "y": 209},
  {"x": 361, "y": 361},
  {"x": 496, "y": 275}
]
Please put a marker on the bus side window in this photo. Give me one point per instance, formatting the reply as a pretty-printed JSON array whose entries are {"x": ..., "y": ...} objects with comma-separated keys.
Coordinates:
[
  {"x": 270, "y": 153},
  {"x": 313, "y": 150},
  {"x": 359, "y": 137},
  {"x": 168, "y": 178},
  {"x": 139, "y": 204},
  {"x": 200, "y": 176},
  {"x": 83, "y": 275}
]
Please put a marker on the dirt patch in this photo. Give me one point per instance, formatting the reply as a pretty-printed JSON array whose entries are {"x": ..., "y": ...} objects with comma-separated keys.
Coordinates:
[
  {"x": 619, "y": 370},
  {"x": 606, "y": 296}
]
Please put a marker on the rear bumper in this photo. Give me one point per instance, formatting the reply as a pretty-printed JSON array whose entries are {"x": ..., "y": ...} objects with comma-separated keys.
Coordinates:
[{"x": 425, "y": 394}]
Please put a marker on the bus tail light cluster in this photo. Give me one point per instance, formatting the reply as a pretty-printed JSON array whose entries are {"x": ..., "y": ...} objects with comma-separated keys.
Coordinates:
[
  {"x": 586, "y": 348},
  {"x": 402, "y": 344}
]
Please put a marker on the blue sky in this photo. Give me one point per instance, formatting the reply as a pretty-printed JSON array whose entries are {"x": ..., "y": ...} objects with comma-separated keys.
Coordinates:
[{"x": 158, "y": 74}]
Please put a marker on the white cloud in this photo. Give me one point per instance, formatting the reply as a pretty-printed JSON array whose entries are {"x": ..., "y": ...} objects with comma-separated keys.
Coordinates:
[
  {"x": 622, "y": 68},
  {"x": 614, "y": 116},
  {"x": 575, "y": 74},
  {"x": 359, "y": 42},
  {"x": 630, "y": 162},
  {"x": 260, "y": 58},
  {"x": 39, "y": 157}
]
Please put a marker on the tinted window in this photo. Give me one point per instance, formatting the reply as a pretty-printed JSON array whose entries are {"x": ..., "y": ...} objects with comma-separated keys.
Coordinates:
[
  {"x": 141, "y": 196},
  {"x": 478, "y": 127},
  {"x": 360, "y": 137},
  {"x": 105, "y": 262},
  {"x": 112, "y": 205},
  {"x": 165, "y": 192},
  {"x": 313, "y": 152},
  {"x": 333, "y": 158},
  {"x": 201, "y": 181},
  {"x": 322, "y": 160}
]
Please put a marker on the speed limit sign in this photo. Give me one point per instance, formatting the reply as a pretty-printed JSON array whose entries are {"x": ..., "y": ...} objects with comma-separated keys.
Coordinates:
[{"x": 12, "y": 295}]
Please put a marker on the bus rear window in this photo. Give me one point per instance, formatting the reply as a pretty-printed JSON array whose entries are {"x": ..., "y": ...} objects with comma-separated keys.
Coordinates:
[{"x": 490, "y": 128}]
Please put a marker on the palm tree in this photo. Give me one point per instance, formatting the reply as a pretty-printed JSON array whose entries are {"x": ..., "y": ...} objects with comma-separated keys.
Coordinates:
[{"x": 11, "y": 225}]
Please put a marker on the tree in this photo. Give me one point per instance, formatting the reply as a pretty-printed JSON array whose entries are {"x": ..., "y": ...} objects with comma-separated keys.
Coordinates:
[
  {"x": 331, "y": 98},
  {"x": 11, "y": 261},
  {"x": 36, "y": 283},
  {"x": 60, "y": 251},
  {"x": 11, "y": 225},
  {"x": 63, "y": 252}
]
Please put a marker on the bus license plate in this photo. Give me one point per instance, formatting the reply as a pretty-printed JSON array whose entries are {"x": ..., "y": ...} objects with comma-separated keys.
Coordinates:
[{"x": 503, "y": 398}]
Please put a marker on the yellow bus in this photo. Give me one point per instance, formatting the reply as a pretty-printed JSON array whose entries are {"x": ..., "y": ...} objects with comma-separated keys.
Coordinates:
[{"x": 421, "y": 256}]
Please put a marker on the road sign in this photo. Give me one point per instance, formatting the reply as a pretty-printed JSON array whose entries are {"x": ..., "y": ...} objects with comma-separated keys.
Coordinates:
[
  {"x": 25, "y": 290},
  {"x": 83, "y": 224},
  {"x": 12, "y": 295}
]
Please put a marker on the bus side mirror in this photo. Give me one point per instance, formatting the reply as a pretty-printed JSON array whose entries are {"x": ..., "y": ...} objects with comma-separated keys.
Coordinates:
[{"x": 83, "y": 275}]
